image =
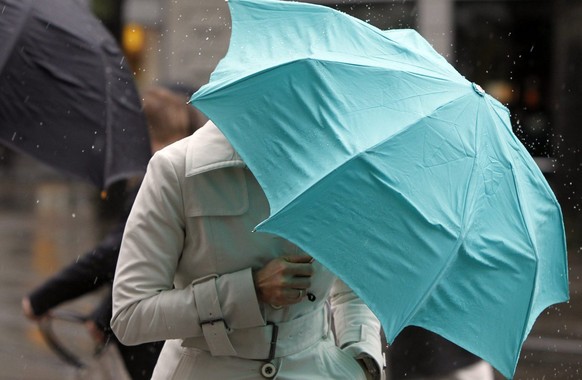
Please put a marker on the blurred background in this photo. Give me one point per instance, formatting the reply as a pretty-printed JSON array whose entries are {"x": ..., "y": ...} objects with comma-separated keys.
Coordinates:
[{"x": 526, "y": 53}]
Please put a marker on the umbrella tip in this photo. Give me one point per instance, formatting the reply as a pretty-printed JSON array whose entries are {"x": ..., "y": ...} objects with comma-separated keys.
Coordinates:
[{"x": 478, "y": 89}]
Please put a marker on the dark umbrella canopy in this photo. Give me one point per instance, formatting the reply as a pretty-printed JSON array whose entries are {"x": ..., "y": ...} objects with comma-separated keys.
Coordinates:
[{"x": 66, "y": 96}]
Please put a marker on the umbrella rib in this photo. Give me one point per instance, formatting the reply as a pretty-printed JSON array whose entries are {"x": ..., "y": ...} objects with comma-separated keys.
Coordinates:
[
  {"x": 446, "y": 265},
  {"x": 516, "y": 184},
  {"x": 454, "y": 251},
  {"x": 406, "y": 128},
  {"x": 300, "y": 193},
  {"x": 238, "y": 77},
  {"x": 534, "y": 248},
  {"x": 108, "y": 121},
  {"x": 434, "y": 283},
  {"x": 16, "y": 33}
]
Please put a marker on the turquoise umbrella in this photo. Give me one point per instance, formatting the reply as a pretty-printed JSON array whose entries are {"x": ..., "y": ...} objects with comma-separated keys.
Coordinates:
[{"x": 394, "y": 171}]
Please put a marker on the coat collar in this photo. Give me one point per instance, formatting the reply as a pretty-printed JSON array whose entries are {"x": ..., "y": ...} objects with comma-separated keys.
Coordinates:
[{"x": 208, "y": 150}]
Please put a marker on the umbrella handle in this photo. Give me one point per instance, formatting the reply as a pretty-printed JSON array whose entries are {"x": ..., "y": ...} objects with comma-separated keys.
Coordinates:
[{"x": 46, "y": 330}]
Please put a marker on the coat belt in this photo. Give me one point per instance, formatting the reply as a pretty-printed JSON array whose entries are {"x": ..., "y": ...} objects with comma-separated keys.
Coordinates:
[{"x": 257, "y": 342}]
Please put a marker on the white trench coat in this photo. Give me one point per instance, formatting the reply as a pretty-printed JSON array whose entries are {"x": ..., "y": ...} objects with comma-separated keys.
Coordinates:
[{"x": 185, "y": 275}]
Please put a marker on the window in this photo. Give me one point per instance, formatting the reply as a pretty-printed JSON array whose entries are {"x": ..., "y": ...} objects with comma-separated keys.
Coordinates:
[{"x": 504, "y": 46}]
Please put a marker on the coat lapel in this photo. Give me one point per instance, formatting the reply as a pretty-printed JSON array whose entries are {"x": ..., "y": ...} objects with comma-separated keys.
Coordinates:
[{"x": 208, "y": 150}]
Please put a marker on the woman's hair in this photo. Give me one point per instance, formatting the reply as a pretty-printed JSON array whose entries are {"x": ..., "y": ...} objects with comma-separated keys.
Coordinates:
[{"x": 168, "y": 114}]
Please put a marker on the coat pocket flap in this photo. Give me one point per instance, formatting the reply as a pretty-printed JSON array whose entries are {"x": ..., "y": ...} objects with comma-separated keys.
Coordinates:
[{"x": 220, "y": 192}]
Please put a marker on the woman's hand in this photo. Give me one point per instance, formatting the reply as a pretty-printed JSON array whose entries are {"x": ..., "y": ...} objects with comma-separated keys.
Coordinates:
[
  {"x": 284, "y": 280},
  {"x": 28, "y": 311}
]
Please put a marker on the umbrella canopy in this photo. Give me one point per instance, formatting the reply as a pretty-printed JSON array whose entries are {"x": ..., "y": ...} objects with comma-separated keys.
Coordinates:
[
  {"x": 389, "y": 167},
  {"x": 66, "y": 96}
]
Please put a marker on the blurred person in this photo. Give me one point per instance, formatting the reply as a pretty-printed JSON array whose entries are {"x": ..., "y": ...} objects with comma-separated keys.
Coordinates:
[
  {"x": 168, "y": 114},
  {"x": 169, "y": 119},
  {"x": 417, "y": 354},
  {"x": 230, "y": 303}
]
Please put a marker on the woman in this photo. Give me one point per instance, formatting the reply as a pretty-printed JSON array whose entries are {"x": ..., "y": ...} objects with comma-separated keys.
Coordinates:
[{"x": 234, "y": 304}]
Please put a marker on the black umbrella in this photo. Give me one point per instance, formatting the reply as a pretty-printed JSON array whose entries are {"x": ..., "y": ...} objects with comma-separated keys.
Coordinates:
[{"x": 67, "y": 97}]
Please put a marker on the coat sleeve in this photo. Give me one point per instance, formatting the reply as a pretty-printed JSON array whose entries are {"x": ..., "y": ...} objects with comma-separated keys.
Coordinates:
[
  {"x": 357, "y": 328},
  {"x": 89, "y": 273},
  {"x": 146, "y": 306}
]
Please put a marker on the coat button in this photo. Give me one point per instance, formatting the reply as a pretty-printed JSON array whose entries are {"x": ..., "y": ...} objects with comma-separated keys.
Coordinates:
[{"x": 268, "y": 370}]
